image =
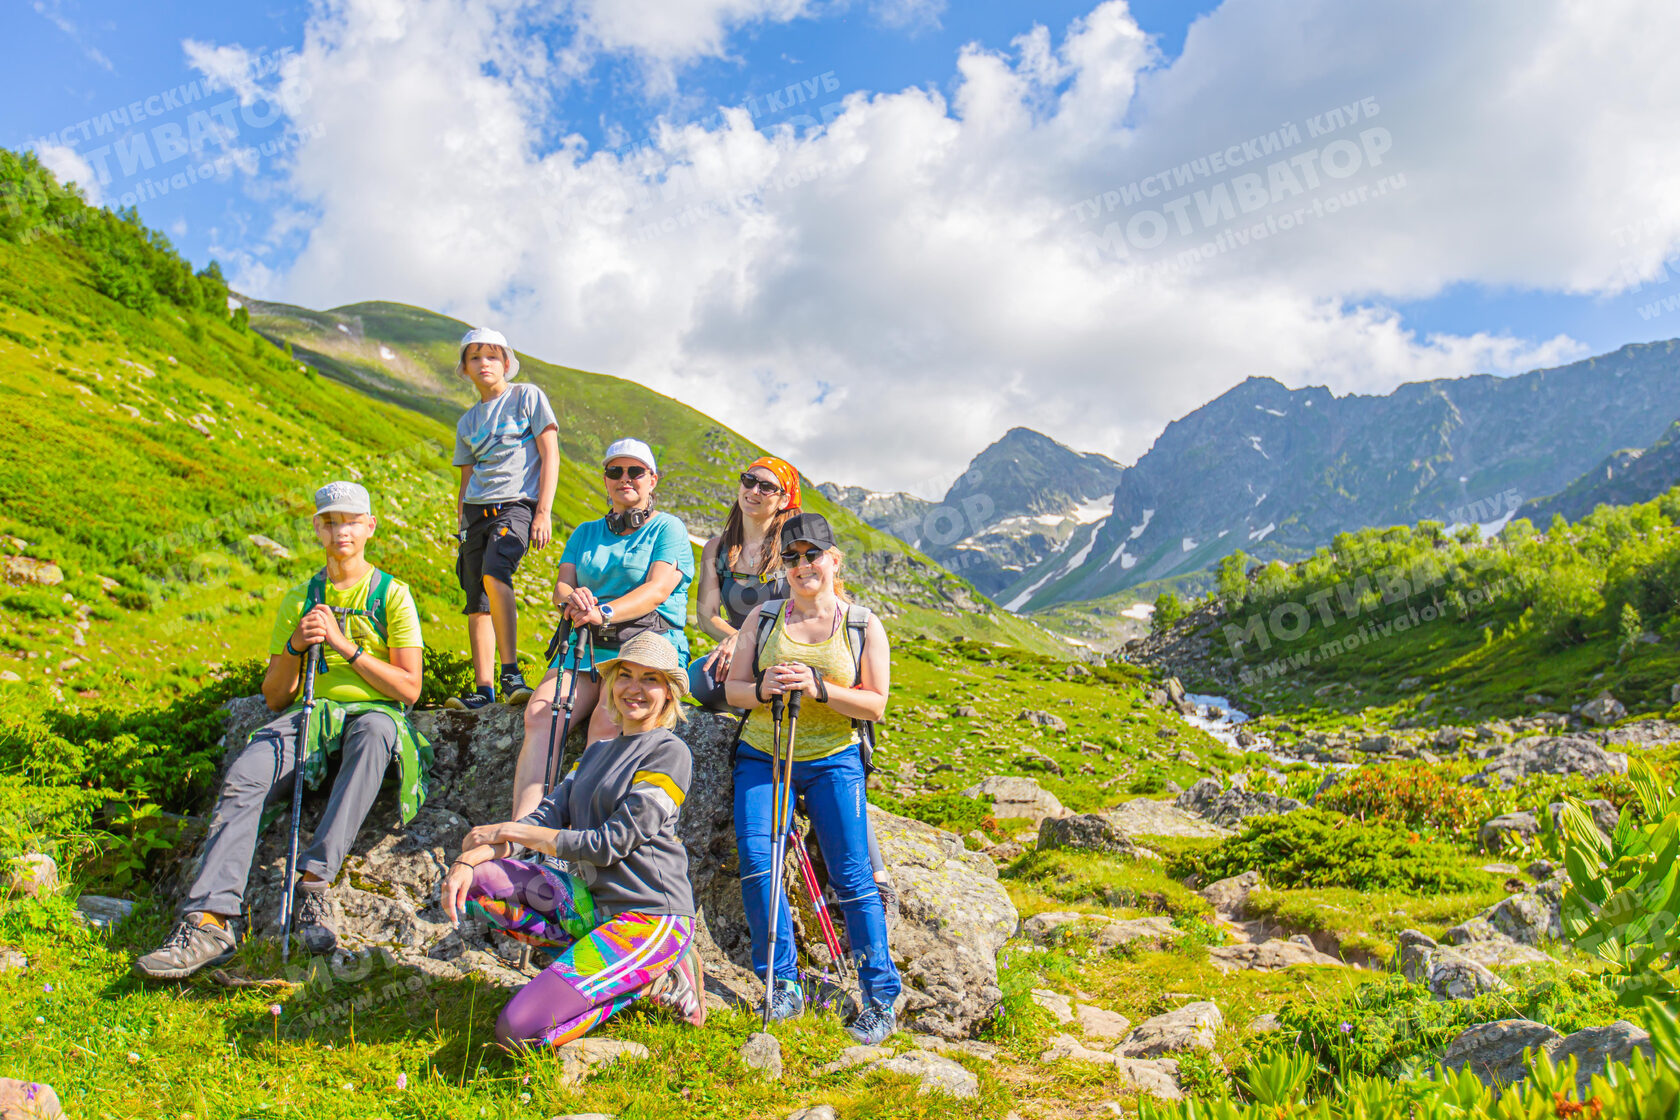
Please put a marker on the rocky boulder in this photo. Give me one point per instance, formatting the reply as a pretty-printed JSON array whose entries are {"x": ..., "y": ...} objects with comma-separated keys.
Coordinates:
[
  {"x": 1564, "y": 754},
  {"x": 1017, "y": 797},
  {"x": 1447, "y": 973},
  {"x": 1211, "y": 801},
  {"x": 1191, "y": 1027},
  {"x": 1603, "y": 709},
  {"x": 1043, "y": 719},
  {"x": 1147, "y": 817},
  {"x": 1494, "y": 1051},
  {"x": 1089, "y": 832},
  {"x": 953, "y": 916},
  {"x": 1267, "y": 956}
]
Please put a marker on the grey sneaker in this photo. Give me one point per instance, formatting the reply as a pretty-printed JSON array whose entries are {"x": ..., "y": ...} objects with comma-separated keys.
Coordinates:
[
  {"x": 874, "y": 1025},
  {"x": 787, "y": 1002},
  {"x": 197, "y": 940},
  {"x": 315, "y": 920}
]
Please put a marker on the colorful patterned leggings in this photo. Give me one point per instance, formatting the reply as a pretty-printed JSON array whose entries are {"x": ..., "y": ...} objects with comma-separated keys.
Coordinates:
[{"x": 602, "y": 967}]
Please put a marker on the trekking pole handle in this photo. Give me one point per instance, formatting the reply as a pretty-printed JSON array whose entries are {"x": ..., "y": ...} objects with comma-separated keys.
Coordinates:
[
  {"x": 776, "y": 703},
  {"x": 793, "y": 703}
]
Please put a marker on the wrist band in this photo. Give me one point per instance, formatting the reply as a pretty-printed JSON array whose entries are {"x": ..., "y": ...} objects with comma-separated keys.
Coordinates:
[
  {"x": 351, "y": 660},
  {"x": 290, "y": 650},
  {"x": 463, "y": 863},
  {"x": 758, "y": 689}
]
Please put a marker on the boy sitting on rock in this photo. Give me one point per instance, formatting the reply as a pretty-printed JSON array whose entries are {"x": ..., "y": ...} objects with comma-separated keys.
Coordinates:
[{"x": 369, "y": 671}]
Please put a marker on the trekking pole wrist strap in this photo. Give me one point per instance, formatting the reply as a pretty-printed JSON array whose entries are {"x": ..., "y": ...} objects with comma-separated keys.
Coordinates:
[
  {"x": 758, "y": 689},
  {"x": 822, "y": 688}
]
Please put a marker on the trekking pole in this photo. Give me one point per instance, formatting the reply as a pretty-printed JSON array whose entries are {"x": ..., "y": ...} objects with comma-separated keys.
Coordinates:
[
  {"x": 557, "y": 738},
  {"x": 775, "y": 862},
  {"x": 819, "y": 905},
  {"x": 310, "y": 661}
]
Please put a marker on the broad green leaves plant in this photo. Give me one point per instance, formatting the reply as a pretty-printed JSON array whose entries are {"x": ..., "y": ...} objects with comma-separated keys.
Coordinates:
[{"x": 1624, "y": 891}]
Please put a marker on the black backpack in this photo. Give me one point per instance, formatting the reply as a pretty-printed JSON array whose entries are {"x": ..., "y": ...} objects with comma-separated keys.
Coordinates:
[{"x": 857, "y": 632}]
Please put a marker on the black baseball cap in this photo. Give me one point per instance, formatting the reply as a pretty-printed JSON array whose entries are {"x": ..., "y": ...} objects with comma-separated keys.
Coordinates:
[{"x": 812, "y": 528}]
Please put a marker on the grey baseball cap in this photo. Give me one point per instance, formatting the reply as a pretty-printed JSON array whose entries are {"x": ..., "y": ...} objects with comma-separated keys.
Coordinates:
[{"x": 342, "y": 497}]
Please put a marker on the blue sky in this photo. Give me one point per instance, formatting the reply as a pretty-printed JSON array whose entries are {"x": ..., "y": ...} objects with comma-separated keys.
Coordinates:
[{"x": 928, "y": 245}]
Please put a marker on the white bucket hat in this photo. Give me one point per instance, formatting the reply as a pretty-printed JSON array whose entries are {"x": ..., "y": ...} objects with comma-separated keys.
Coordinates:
[
  {"x": 631, "y": 449},
  {"x": 653, "y": 652},
  {"x": 489, "y": 338}
]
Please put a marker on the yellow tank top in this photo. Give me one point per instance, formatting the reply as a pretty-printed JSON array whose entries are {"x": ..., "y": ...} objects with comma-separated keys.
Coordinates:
[{"x": 822, "y": 730}]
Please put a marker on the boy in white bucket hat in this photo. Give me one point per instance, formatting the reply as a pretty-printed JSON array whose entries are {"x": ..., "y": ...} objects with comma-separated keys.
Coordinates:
[{"x": 507, "y": 446}]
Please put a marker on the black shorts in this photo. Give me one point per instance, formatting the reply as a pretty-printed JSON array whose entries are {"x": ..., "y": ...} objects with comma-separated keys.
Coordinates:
[{"x": 495, "y": 542}]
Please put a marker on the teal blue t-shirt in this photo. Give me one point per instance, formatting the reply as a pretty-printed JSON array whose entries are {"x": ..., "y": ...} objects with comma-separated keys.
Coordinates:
[{"x": 611, "y": 566}]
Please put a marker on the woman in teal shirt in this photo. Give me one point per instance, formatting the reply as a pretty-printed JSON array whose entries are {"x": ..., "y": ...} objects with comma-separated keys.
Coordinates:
[{"x": 626, "y": 573}]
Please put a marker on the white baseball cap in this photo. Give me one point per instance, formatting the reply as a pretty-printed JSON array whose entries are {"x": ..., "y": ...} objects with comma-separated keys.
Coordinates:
[
  {"x": 489, "y": 338},
  {"x": 631, "y": 449},
  {"x": 342, "y": 497}
]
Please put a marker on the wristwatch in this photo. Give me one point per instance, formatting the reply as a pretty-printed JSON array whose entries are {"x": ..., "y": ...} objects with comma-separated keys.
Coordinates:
[{"x": 606, "y": 611}]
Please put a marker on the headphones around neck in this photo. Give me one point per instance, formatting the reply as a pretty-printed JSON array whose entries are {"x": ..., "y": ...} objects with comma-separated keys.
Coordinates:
[{"x": 628, "y": 521}]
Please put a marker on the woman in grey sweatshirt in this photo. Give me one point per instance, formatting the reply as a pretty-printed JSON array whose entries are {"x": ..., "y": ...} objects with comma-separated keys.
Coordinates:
[{"x": 624, "y": 929}]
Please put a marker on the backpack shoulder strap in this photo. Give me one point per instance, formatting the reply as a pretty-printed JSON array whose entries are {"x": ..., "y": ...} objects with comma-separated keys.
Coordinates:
[
  {"x": 378, "y": 596},
  {"x": 316, "y": 592},
  {"x": 768, "y": 614},
  {"x": 857, "y": 632}
]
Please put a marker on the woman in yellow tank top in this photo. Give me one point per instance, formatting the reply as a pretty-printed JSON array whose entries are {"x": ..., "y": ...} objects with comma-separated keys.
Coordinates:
[{"x": 807, "y": 652}]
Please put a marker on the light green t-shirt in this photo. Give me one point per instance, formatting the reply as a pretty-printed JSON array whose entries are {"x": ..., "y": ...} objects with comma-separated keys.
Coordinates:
[{"x": 336, "y": 679}]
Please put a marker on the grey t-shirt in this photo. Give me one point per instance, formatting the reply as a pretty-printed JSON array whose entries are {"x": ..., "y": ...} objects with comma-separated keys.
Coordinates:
[
  {"x": 616, "y": 812},
  {"x": 498, "y": 439}
]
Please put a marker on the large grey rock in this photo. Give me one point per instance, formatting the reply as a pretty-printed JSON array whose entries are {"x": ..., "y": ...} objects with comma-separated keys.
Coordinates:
[
  {"x": 102, "y": 911},
  {"x": 1191, "y": 1027},
  {"x": 582, "y": 1057},
  {"x": 1086, "y": 832},
  {"x": 1013, "y": 796},
  {"x": 762, "y": 1052},
  {"x": 1526, "y": 823},
  {"x": 1564, "y": 754},
  {"x": 953, "y": 915},
  {"x": 1446, "y": 972},
  {"x": 1266, "y": 956},
  {"x": 1147, "y": 817},
  {"x": 1603, "y": 709},
  {"x": 1158, "y": 1077},
  {"x": 33, "y": 874},
  {"x": 1494, "y": 1051},
  {"x": 28, "y": 1099},
  {"x": 1043, "y": 719},
  {"x": 1211, "y": 801}
]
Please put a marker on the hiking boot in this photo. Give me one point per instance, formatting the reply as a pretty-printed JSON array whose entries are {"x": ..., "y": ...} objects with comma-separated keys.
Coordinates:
[
  {"x": 514, "y": 689},
  {"x": 198, "y": 939},
  {"x": 315, "y": 920},
  {"x": 788, "y": 1001},
  {"x": 889, "y": 902},
  {"x": 469, "y": 702},
  {"x": 682, "y": 989},
  {"x": 874, "y": 1025}
]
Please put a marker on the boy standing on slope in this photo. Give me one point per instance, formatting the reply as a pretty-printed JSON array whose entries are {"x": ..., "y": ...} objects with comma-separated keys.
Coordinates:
[
  {"x": 508, "y": 448},
  {"x": 370, "y": 669}
]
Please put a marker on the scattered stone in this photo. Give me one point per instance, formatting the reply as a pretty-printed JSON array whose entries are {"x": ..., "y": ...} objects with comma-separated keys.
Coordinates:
[
  {"x": 1064, "y": 1047},
  {"x": 1043, "y": 719},
  {"x": 1549, "y": 755},
  {"x": 1266, "y": 956},
  {"x": 1230, "y": 895},
  {"x": 1501, "y": 869},
  {"x": 1041, "y": 762},
  {"x": 8, "y": 676},
  {"x": 761, "y": 1051},
  {"x": 1147, "y": 817},
  {"x": 32, "y": 875},
  {"x": 103, "y": 912},
  {"x": 815, "y": 1112},
  {"x": 964, "y": 711},
  {"x": 968, "y": 1047},
  {"x": 1191, "y": 1027},
  {"x": 1090, "y": 832},
  {"x": 1596, "y": 1047},
  {"x": 855, "y": 1056},
  {"x": 1246, "y": 738},
  {"x": 1264, "y": 1024},
  {"x": 1446, "y": 972},
  {"x": 937, "y": 1074},
  {"x": 1209, "y": 800},
  {"x": 1054, "y": 1002},
  {"x": 25, "y": 569},
  {"x": 1494, "y": 1051},
  {"x": 584, "y": 1056},
  {"x": 1158, "y": 1078},
  {"x": 1099, "y": 1022},
  {"x": 27, "y": 1100},
  {"x": 1175, "y": 690},
  {"x": 1017, "y": 797},
  {"x": 1603, "y": 709},
  {"x": 13, "y": 961}
]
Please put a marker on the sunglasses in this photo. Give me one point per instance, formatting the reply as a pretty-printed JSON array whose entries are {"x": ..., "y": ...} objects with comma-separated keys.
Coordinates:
[
  {"x": 794, "y": 557},
  {"x": 616, "y": 473},
  {"x": 763, "y": 486}
]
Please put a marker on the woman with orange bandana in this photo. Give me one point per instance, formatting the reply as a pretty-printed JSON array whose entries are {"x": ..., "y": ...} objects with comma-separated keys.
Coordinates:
[{"x": 741, "y": 569}]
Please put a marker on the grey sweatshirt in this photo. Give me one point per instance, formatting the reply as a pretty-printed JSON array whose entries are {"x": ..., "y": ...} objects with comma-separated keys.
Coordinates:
[{"x": 616, "y": 812}]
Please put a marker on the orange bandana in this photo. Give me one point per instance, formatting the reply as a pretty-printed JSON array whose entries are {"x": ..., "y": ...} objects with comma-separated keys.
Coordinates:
[{"x": 785, "y": 474}]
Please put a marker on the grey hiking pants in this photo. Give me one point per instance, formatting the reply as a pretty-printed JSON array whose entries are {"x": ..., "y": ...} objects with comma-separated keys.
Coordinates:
[{"x": 262, "y": 775}]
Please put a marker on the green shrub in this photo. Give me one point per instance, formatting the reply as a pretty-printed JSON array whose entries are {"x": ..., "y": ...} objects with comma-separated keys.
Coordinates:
[
  {"x": 950, "y": 811},
  {"x": 1313, "y": 848}
]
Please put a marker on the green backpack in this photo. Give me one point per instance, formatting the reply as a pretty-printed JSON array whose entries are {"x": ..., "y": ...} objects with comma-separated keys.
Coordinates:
[{"x": 374, "y": 612}]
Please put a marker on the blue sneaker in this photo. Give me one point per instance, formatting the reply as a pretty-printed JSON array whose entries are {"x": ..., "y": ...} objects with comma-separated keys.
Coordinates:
[
  {"x": 787, "y": 1001},
  {"x": 874, "y": 1025}
]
